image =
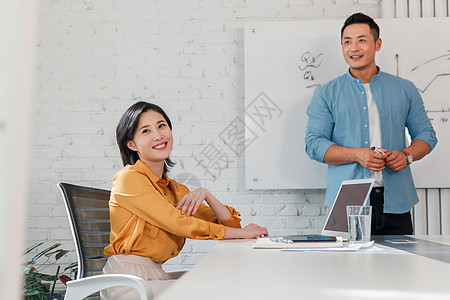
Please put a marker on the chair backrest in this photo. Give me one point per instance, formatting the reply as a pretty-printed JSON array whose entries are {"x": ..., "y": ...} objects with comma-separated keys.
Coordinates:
[{"x": 88, "y": 212}]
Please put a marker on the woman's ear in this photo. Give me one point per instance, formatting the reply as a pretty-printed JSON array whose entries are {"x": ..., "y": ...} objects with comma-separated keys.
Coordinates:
[{"x": 131, "y": 145}]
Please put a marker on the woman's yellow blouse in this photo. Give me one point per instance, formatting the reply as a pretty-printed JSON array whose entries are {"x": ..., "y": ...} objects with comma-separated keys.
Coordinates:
[{"x": 145, "y": 222}]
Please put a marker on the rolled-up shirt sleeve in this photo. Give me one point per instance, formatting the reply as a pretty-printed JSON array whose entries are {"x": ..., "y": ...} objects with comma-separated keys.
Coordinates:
[
  {"x": 319, "y": 128},
  {"x": 417, "y": 121},
  {"x": 234, "y": 220},
  {"x": 204, "y": 212}
]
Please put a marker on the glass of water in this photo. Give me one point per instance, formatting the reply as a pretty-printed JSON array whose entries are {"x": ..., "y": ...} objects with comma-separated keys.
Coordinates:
[{"x": 359, "y": 220}]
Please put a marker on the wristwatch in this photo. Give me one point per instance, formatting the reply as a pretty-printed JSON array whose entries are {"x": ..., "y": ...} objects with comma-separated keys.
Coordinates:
[{"x": 409, "y": 158}]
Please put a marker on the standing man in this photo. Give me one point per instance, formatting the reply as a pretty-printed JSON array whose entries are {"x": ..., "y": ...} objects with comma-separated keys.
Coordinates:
[{"x": 366, "y": 107}]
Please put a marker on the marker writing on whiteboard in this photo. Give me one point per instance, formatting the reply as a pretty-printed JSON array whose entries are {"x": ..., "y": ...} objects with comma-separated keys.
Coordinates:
[{"x": 377, "y": 150}]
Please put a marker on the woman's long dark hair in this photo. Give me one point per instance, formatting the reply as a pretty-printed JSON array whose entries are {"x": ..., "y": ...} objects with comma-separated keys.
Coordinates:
[{"x": 127, "y": 128}]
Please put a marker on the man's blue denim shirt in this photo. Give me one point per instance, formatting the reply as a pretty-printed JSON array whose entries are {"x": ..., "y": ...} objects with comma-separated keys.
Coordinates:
[{"x": 338, "y": 115}]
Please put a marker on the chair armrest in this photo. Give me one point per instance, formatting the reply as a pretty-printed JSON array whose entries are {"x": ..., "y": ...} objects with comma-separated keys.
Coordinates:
[
  {"x": 176, "y": 274},
  {"x": 81, "y": 288}
]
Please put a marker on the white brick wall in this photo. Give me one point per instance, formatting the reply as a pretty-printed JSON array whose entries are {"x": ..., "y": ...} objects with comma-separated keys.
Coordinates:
[{"x": 96, "y": 58}]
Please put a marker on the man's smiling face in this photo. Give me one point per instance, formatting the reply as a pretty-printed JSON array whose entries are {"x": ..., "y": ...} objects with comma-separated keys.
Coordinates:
[{"x": 359, "y": 47}]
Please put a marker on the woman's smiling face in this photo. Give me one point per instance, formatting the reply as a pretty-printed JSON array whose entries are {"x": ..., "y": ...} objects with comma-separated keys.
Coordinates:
[{"x": 153, "y": 139}]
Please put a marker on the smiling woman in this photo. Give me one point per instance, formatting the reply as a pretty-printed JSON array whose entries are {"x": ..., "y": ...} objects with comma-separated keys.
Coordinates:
[
  {"x": 152, "y": 141},
  {"x": 129, "y": 125},
  {"x": 152, "y": 215}
]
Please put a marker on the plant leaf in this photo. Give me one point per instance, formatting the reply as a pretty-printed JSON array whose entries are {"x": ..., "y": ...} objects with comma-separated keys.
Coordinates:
[
  {"x": 34, "y": 259},
  {"x": 61, "y": 254},
  {"x": 32, "y": 286},
  {"x": 45, "y": 277},
  {"x": 40, "y": 296},
  {"x": 64, "y": 279},
  {"x": 54, "y": 252},
  {"x": 72, "y": 265},
  {"x": 28, "y": 250}
]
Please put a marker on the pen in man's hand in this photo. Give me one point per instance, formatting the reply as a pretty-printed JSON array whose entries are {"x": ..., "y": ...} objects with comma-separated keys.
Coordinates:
[{"x": 377, "y": 150}]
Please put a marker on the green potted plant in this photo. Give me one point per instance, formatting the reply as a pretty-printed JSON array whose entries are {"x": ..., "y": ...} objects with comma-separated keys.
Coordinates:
[{"x": 34, "y": 288}]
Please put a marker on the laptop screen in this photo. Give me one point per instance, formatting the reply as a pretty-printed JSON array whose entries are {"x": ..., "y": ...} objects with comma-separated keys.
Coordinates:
[{"x": 351, "y": 192}]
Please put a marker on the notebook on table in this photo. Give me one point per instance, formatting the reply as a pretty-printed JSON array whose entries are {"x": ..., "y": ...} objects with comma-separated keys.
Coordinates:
[{"x": 351, "y": 192}]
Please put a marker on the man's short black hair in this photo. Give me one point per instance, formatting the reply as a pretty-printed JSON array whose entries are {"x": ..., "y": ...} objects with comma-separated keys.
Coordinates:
[{"x": 360, "y": 18}]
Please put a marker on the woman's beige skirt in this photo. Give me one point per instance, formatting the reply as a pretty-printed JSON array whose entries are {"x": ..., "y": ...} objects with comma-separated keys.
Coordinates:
[{"x": 139, "y": 266}]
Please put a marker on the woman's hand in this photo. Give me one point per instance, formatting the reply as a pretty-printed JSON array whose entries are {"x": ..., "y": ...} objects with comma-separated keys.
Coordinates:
[
  {"x": 250, "y": 231},
  {"x": 191, "y": 202}
]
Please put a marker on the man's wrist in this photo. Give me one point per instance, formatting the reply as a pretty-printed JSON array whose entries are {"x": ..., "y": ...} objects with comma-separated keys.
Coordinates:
[{"x": 409, "y": 158}]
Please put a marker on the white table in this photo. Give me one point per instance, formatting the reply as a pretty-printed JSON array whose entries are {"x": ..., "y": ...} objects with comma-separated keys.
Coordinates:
[{"x": 233, "y": 270}]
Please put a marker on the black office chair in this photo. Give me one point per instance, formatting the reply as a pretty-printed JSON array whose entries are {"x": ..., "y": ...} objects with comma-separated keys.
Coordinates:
[{"x": 88, "y": 212}]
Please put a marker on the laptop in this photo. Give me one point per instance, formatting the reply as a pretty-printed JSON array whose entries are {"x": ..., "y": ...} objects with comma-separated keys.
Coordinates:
[{"x": 351, "y": 192}]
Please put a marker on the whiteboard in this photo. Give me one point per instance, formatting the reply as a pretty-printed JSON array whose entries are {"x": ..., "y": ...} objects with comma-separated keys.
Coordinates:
[{"x": 286, "y": 60}]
